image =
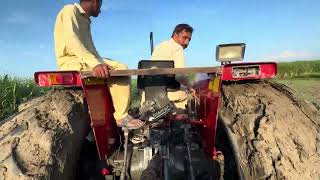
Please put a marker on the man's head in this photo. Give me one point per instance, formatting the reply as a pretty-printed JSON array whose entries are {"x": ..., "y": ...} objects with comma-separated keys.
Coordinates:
[
  {"x": 91, "y": 7},
  {"x": 182, "y": 34}
]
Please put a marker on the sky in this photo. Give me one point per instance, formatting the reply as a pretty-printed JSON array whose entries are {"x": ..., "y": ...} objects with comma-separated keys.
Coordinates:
[{"x": 273, "y": 30}]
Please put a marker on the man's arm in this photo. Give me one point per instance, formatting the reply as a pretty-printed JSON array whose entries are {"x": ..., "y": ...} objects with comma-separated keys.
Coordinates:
[
  {"x": 71, "y": 34},
  {"x": 179, "y": 62}
]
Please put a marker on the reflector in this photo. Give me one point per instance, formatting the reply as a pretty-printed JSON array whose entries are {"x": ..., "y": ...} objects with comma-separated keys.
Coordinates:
[
  {"x": 57, "y": 78},
  {"x": 246, "y": 71}
]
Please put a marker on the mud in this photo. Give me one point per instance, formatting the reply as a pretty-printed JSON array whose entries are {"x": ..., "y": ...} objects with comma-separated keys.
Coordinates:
[
  {"x": 276, "y": 136},
  {"x": 44, "y": 139}
]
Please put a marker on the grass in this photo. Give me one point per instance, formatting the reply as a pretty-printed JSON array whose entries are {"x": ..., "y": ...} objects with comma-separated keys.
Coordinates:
[
  {"x": 135, "y": 97},
  {"x": 14, "y": 91},
  {"x": 303, "y": 77},
  {"x": 300, "y": 69},
  {"x": 305, "y": 88}
]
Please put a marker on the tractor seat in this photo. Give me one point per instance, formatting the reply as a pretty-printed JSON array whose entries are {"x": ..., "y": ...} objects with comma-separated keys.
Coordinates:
[
  {"x": 168, "y": 81},
  {"x": 155, "y": 84}
]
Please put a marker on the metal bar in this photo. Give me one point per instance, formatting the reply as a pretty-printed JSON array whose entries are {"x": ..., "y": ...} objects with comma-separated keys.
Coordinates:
[
  {"x": 190, "y": 161},
  {"x": 158, "y": 71},
  {"x": 124, "y": 167},
  {"x": 151, "y": 42}
]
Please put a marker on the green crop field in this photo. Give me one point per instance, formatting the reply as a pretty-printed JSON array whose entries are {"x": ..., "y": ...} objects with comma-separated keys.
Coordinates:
[
  {"x": 302, "y": 76},
  {"x": 13, "y": 91},
  {"x": 299, "y": 69}
]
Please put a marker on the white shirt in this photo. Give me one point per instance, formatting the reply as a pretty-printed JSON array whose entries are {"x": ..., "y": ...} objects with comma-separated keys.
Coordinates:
[{"x": 170, "y": 50}]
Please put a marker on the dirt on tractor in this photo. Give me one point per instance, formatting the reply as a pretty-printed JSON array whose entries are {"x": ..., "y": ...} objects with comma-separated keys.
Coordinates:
[{"x": 275, "y": 135}]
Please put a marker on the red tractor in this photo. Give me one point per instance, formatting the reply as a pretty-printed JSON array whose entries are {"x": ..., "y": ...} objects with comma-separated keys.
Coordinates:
[{"x": 169, "y": 146}]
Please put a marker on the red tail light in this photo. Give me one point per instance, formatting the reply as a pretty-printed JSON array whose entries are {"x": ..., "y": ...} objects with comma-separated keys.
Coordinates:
[
  {"x": 56, "y": 78},
  {"x": 245, "y": 71}
]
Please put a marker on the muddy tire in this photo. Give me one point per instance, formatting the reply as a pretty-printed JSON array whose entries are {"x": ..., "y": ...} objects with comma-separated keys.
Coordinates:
[
  {"x": 43, "y": 140},
  {"x": 274, "y": 135}
]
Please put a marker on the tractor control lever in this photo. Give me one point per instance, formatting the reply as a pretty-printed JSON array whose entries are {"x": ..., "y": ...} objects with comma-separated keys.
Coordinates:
[{"x": 124, "y": 167}]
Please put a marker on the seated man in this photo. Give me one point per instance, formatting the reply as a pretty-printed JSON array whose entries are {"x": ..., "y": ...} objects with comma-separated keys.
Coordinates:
[
  {"x": 75, "y": 50},
  {"x": 172, "y": 49}
]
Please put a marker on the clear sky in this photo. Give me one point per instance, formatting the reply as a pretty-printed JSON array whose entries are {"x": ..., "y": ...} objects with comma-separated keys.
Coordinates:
[{"x": 274, "y": 30}]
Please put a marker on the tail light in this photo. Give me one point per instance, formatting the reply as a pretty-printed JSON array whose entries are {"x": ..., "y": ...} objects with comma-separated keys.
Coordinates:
[
  {"x": 245, "y": 71},
  {"x": 57, "y": 78}
]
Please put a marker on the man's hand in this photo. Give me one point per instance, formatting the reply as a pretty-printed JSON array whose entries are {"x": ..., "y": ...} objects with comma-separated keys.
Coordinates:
[
  {"x": 101, "y": 70},
  {"x": 184, "y": 80}
]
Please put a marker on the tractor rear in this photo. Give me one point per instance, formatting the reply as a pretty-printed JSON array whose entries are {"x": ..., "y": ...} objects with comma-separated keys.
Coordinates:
[{"x": 171, "y": 145}]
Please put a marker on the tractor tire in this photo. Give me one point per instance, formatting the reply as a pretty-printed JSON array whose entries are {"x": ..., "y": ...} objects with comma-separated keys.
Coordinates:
[
  {"x": 273, "y": 134},
  {"x": 43, "y": 140}
]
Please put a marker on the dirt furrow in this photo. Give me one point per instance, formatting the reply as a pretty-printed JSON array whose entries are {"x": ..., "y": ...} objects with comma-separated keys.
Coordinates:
[{"x": 277, "y": 136}]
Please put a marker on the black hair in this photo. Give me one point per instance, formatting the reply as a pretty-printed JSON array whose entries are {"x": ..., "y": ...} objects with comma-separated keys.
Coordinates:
[{"x": 182, "y": 27}]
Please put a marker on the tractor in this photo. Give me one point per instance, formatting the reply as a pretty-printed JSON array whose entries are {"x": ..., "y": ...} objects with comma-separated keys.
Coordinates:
[{"x": 170, "y": 145}]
